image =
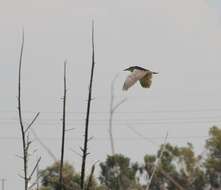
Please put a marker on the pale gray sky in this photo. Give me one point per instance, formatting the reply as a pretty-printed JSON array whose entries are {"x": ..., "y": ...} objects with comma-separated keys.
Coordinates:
[{"x": 179, "y": 39}]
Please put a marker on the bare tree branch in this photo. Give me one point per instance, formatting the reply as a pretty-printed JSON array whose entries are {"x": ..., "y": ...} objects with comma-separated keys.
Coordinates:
[
  {"x": 112, "y": 110},
  {"x": 118, "y": 104},
  {"x": 32, "y": 122},
  {"x": 90, "y": 180},
  {"x": 21, "y": 157},
  {"x": 26, "y": 142},
  {"x": 84, "y": 157},
  {"x": 36, "y": 182},
  {"x": 71, "y": 129},
  {"x": 33, "y": 171},
  {"x": 160, "y": 169},
  {"x": 157, "y": 163},
  {"x": 20, "y": 115},
  {"x": 63, "y": 132},
  {"x": 165, "y": 174}
]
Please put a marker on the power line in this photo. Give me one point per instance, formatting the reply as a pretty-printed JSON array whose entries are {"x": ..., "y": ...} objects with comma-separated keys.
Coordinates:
[
  {"x": 124, "y": 112},
  {"x": 107, "y": 139},
  {"x": 125, "y": 119},
  {"x": 139, "y": 124}
]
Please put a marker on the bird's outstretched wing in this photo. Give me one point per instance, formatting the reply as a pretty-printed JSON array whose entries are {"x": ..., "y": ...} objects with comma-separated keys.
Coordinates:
[
  {"x": 133, "y": 78},
  {"x": 146, "y": 80}
]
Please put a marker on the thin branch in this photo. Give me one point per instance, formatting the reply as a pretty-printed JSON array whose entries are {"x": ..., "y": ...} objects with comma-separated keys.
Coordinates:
[
  {"x": 84, "y": 157},
  {"x": 37, "y": 178},
  {"x": 81, "y": 149},
  {"x": 32, "y": 185},
  {"x": 36, "y": 165},
  {"x": 63, "y": 131},
  {"x": 32, "y": 122},
  {"x": 21, "y": 157},
  {"x": 165, "y": 174},
  {"x": 36, "y": 182},
  {"x": 112, "y": 110},
  {"x": 90, "y": 180},
  {"x": 160, "y": 169},
  {"x": 118, "y": 104},
  {"x": 157, "y": 162},
  {"x": 20, "y": 115},
  {"x": 90, "y": 139},
  {"x": 21, "y": 176},
  {"x": 71, "y": 129},
  {"x": 19, "y": 84}
]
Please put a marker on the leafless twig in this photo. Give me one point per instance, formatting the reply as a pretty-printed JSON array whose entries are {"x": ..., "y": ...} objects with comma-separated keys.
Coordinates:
[
  {"x": 71, "y": 129},
  {"x": 36, "y": 116},
  {"x": 34, "y": 169}
]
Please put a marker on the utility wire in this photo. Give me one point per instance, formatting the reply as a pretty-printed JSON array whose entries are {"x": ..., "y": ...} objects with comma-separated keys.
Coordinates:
[
  {"x": 107, "y": 139},
  {"x": 126, "y": 119},
  {"x": 210, "y": 109}
]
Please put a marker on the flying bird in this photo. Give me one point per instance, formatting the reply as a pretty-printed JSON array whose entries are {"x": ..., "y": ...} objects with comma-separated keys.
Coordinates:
[{"x": 138, "y": 73}]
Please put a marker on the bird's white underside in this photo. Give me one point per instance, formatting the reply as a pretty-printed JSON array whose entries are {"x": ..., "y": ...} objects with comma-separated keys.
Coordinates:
[{"x": 135, "y": 76}]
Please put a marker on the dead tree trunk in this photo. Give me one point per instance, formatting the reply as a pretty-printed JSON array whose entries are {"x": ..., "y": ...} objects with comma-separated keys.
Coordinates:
[
  {"x": 85, "y": 149},
  {"x": 26, "y": 142},
  {"x": 61, "y": 184},
  {"x": 20, "y": 117}
]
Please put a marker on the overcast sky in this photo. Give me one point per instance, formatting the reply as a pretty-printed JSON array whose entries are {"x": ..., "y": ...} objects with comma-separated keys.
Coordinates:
[{"x": 179, "y": 39}]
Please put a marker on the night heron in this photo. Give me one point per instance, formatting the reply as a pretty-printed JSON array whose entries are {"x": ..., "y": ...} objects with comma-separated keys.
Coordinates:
[{"x": 138, "y": 73}]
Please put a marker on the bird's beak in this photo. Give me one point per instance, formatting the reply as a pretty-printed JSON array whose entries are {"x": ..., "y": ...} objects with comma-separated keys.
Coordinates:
[
  {"x": 125, "y": 69},
  {"x": 155, "y": 73}
]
